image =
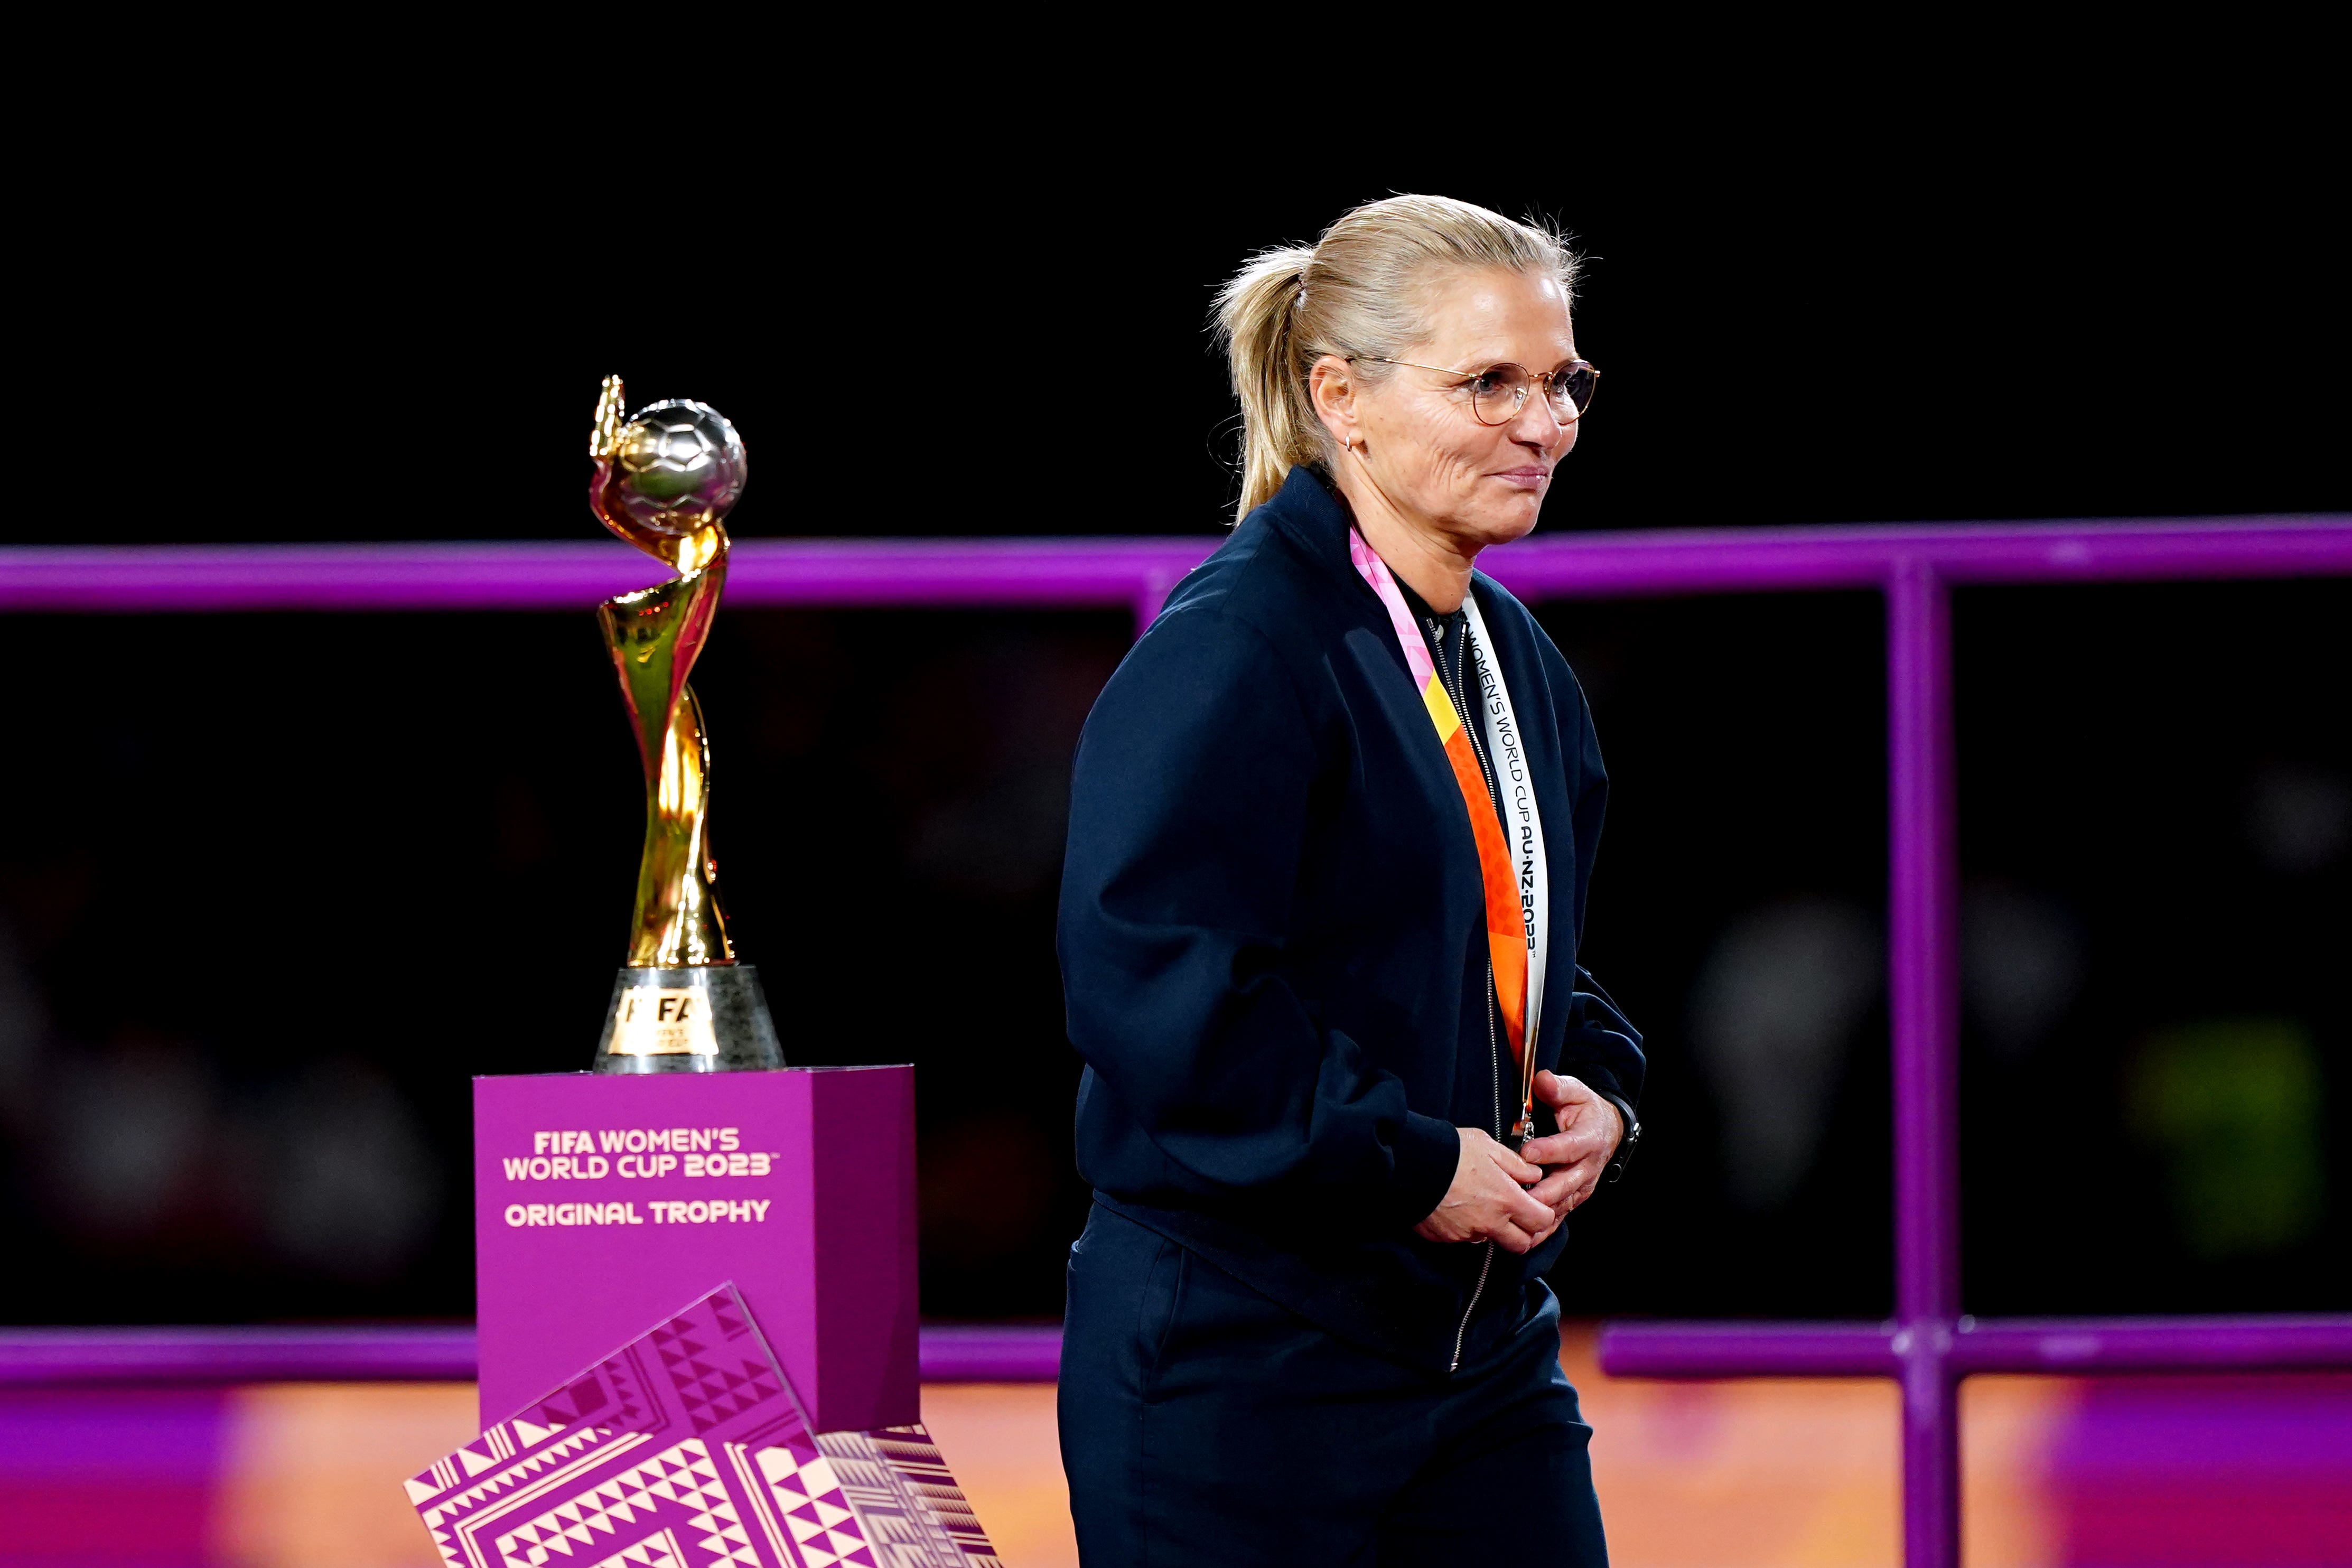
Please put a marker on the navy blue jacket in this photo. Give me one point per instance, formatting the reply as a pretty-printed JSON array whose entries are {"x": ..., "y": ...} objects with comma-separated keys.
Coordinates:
[{"x": 1272, "y": 934}]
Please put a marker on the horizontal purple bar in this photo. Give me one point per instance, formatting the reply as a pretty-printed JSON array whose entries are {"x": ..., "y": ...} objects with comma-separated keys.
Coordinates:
[
  {"x": 2078, "y": 1345},
  {"x": 1712, "y": 561},
  {"x": 527, "y": 576},
  {"x": 1025, "y": 1354},
  {"x": 319, "y": 576},
  {"x": 48, "y": 1357},
  {"x": 1065, "y": 571},
  {"x": 33, "y": 1357},
  {"x": 991, "y": 1353},
  {"x": 1123, "y": 572},
  {"x": 1747, "y": 1349},
  {"x": 2153, "y": 1344}
]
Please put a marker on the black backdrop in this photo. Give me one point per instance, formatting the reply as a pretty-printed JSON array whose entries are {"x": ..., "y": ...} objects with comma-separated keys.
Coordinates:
[
  {"x": 1007, "y": 339},
  {"x": 1811, "y": 321}
]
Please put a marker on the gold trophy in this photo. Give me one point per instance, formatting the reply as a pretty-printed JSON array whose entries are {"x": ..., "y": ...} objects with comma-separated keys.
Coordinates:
[{"x": 666, "y": 478}]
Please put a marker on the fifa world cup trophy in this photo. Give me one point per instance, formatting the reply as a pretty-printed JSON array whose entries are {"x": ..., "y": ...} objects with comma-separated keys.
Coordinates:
[{"x": 665, "y": 480}]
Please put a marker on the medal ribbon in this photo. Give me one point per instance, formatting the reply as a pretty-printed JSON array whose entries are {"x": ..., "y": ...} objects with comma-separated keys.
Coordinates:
[{"x": 1517, "y": 885}]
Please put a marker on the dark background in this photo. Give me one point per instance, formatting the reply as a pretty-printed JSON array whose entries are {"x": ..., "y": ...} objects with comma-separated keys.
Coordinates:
[
  {"x": 1808, "y": 308},
  {"x": 274, "y": 886}
]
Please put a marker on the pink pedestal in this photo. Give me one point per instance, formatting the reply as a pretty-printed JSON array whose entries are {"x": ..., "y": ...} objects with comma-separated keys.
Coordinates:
[{"x": 596, "y": 1214}]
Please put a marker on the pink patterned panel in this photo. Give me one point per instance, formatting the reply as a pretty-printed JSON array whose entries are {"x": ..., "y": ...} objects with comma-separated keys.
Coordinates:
[{"x": 689, "y": 1448}]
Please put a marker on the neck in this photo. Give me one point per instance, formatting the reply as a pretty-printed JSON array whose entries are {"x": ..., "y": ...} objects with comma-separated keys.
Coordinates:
[{"x": 1433, "y": 565}]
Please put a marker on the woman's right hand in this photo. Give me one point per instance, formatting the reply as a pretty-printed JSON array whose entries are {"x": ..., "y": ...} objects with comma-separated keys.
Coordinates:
[{"x": 1488, "y": 1200}]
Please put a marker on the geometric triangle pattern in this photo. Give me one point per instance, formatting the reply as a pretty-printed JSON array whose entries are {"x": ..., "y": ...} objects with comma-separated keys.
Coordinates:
[
  {"x": 687, "y": 1449},
  {"x": 626, "y": 1463},
  {"x": 798, "y": 1482},
  {"x": 617, "y": 1507},
  {"x": 654, "y": 1551}
]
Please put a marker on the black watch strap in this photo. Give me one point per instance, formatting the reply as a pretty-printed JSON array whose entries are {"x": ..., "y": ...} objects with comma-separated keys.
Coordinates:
[{"x": 1623, "y": 1158}]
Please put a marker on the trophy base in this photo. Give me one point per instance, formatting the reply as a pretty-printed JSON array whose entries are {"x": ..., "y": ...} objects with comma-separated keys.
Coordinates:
[{"x": 712, "y": 1019}]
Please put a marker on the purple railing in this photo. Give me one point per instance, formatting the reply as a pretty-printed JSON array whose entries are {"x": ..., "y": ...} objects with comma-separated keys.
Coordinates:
[
  {"x": 1134, "y": 574},
  {"x": 55, "y": 1358},
  {"x": 1927, "y": 1346}
]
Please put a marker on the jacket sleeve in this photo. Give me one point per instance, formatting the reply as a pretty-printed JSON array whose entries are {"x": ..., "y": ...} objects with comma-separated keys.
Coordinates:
[
  {"x": 1599, "y": 1047},
  {"x": 1213, "y": 1077}
]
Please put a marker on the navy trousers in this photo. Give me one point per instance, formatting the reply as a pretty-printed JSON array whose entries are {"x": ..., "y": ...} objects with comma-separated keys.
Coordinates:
[{"x": 1202, "y": 1424}]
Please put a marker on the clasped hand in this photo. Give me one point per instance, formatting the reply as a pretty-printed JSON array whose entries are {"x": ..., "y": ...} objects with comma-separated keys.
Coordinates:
[{"x": 1516, "y": 1201}]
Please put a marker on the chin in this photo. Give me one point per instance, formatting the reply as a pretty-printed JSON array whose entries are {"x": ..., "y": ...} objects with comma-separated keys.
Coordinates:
[{"x": 1502, "y": 525}]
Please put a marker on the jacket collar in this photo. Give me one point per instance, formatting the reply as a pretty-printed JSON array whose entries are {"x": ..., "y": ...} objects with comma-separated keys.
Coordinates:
[
  {"x": 1310, "y": 511},
  {"x": 1314, "y": 516}
]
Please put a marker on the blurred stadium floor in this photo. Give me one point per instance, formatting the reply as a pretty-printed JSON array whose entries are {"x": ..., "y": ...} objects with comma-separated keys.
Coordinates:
[{"x": 2246, "y": 1471}]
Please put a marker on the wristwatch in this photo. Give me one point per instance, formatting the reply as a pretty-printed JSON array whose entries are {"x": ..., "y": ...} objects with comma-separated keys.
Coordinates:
[{"x": 1615, "y": 1169}]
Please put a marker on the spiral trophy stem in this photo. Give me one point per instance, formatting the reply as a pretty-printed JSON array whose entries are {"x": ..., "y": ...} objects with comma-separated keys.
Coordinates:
[
  {"x": 663, "y": 481},
  {"x": 655, "y": 636}
]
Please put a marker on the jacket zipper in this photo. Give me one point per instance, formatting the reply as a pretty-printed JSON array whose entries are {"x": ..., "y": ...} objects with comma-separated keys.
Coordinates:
[
  {"x": 1494, "y": 1046},
  {"x": 1486, "y": 1264}
]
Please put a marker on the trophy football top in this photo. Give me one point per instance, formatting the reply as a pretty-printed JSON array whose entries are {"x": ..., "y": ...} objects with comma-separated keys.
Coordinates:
[{"x": 666, "y": 477}]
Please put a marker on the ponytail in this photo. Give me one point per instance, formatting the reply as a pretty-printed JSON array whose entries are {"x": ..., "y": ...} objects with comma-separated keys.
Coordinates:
[{"x": 1258, "y": 321}]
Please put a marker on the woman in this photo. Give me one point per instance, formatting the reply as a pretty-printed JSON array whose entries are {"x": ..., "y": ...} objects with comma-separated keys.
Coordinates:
[{"x": 1332, "y": 826}]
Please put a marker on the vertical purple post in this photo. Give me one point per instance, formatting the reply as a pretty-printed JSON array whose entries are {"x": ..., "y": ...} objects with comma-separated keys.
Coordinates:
[{"x": 1923, "y": 941}]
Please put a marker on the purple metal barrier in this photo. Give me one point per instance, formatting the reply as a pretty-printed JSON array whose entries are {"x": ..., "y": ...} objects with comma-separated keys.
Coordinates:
[
  {"x": 1132, "y": 574},
  {"x": 1927, "y": 1347},
  {"x": 44, "y": 1358},
  {"x": 84, "y": 1358},
  {"x": 2071, "y": 1346}
]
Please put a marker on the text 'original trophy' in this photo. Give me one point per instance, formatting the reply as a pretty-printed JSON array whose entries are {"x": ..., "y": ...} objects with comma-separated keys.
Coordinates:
[{"x": 665, "y": 480}]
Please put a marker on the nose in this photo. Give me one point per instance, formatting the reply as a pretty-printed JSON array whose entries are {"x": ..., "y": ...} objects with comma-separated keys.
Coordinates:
[{"x": 1537, "y": 425}]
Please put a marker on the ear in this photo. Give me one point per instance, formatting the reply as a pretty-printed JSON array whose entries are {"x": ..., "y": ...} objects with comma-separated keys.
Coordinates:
[{"x": 1331, "y": 387}]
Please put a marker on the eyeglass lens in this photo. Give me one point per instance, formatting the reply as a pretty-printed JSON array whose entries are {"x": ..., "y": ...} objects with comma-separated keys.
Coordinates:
[{"x": 1498, "y": 394}]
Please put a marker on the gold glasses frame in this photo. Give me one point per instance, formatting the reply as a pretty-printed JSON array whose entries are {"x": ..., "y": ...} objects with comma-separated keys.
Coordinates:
[{"x": 1549, "y": 379}]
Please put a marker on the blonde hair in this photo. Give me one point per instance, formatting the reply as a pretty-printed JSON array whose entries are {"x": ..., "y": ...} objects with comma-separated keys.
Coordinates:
[{"x": 1357, "y": 293}]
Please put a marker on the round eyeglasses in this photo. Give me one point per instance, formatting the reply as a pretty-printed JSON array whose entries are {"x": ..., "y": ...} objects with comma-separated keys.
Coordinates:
[{"x": 1498, "y": 392}]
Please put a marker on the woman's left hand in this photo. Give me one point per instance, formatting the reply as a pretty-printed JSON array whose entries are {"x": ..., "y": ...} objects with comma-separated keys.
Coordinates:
[{"x": 1573, "y": 1157}]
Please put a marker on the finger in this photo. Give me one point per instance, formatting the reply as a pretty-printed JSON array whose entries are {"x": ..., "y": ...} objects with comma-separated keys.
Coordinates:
[
  {"x": 1553, "y": 1191},
  {"x": 1543, "y": 1151},
  {"x": 1573, "y": 1148},
  {"x": 1527, "y": 1214},
  {"x": 1512, "y": 1238},
  {"x": 1562, "y": 1091},
  {"x": 1557, "y": 1148},
  {"x": 1520, "y": 1171},
  {"x": 1585, "y": 1174},
  {"x": 1556, "y": 1180}
]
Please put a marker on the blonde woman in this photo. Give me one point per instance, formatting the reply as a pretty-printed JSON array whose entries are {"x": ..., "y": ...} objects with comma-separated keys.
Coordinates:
[{"x": 1332, "y": 827}]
